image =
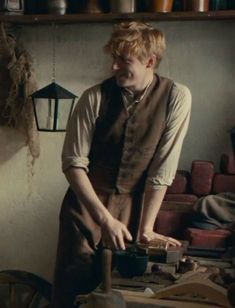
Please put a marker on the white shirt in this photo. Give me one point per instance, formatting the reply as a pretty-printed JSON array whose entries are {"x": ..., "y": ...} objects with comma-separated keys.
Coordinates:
[{"x": 81, "y": 127}]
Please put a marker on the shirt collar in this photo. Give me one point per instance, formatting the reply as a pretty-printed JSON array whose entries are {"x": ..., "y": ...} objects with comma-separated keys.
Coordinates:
[{"x": 129, "y": 97}]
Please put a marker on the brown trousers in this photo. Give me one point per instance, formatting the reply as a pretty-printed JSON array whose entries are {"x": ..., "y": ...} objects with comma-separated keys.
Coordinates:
[{"x": 78, "y": 264}]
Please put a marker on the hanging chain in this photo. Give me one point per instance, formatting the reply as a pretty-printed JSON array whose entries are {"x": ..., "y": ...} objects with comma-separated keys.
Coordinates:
[{"x": 53, "y": 52}]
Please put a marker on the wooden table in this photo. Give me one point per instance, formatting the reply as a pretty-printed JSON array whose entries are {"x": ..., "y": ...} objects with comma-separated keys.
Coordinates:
[{"x": 134, "y": 289}]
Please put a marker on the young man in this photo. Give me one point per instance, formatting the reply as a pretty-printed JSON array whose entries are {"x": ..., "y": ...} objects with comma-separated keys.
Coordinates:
[{"x": 120, "y": 153}]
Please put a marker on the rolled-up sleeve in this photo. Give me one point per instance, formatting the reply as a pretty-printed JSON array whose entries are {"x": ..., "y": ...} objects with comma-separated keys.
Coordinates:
[
  {"x": 165, "y": 162},
  {"x": 80, "y": 130}
]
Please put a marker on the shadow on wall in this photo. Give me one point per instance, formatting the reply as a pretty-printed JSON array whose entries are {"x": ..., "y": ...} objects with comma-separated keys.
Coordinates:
[{"x": 11, "y": 141}]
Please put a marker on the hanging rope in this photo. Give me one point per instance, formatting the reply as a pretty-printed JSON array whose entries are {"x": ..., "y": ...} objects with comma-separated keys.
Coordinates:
[{"x": 53, "y": 51}]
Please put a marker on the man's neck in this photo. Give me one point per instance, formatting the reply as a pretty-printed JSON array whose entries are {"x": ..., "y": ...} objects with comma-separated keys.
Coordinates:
[{"x": 138, "y": 91}]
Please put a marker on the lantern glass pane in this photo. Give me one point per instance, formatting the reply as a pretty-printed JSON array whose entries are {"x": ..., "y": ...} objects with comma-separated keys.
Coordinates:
[
  {"x": 45, "y": 109},
  {"x": 52, "y": 114},
  {"x": 64, "y": 108}
]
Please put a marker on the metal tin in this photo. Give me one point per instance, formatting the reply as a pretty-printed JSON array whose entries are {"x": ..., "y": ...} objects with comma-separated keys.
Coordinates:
[
  {"x": 14, "y": 6},
  {"x": 123, "y": 6}
]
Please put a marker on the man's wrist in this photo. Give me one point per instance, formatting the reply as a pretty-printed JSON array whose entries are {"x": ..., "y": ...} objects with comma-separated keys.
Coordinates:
[
  {"x": 146, "y": 229},
  {"x": 106, "y": 219}
]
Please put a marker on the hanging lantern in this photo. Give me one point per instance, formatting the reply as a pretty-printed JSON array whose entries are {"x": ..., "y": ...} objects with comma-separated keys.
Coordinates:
[{"x": 53, "y": 106}]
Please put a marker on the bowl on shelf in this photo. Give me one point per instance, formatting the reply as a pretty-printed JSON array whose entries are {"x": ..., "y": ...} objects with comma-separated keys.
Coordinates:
[{"x": 130, "y": 264}]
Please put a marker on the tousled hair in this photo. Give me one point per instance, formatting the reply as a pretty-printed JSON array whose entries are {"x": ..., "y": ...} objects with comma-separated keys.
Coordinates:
[{"x": 136, "y": 39}]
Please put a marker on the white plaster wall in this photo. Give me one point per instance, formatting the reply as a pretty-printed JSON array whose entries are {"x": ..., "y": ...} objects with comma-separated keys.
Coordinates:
[{"x": 199, "y": 54}]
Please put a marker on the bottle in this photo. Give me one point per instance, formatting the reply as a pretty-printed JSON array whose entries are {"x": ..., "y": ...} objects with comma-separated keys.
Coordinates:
[{"x": 57, "y": 7}]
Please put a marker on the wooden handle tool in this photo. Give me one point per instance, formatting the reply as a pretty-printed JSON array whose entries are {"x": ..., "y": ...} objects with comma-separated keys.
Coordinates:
[{"x": 105, "y": 297}]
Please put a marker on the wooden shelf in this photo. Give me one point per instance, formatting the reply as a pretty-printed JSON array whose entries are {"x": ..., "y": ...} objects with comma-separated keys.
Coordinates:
[{"x": 110, "y": 17}]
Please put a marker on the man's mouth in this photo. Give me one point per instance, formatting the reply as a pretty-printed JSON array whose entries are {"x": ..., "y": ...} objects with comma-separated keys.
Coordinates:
[{"x": 121, "y": 75}]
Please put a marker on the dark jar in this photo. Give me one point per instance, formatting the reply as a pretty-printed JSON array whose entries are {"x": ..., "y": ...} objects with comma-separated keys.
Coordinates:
[{"x": 57, "y": 7}]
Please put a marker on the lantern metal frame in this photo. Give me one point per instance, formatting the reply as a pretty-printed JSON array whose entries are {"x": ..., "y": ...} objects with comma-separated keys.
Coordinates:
[
  {"x": 56, "y": 92},
  {"x": 51, "y": 92}
]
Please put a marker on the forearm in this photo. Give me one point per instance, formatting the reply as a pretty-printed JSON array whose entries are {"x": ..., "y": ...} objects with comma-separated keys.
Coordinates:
[
  {"x": 152, "y": 203},
  {"x": 114, "y": 232},
  {"x": 84, "y": 191}
]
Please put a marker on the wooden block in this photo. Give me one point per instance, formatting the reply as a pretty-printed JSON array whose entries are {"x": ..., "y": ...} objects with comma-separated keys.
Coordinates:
[
  {"x": 180, "y": 183},
  {"x": 142, "y": 300},
  {"x": 181, "y": 198},
  {"x": 227, "y": 163},
  {"x": 202, "y": 173},
  {"x": 203, "y": 288},
  {"x": 223, "y": 183},
  {"x": 172, "y": 223},
  {"x": 207, "y": 238},
  {"x": 177, "y": 206},
  {"x": 169, "y": 255}
]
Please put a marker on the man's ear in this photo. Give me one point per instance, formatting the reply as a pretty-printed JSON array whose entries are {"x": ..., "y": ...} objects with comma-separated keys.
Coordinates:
[{"x": 151, "y": 62}]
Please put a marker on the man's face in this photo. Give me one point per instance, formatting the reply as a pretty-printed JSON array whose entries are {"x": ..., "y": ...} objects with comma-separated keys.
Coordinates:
[{"x": 130, "y": 72}]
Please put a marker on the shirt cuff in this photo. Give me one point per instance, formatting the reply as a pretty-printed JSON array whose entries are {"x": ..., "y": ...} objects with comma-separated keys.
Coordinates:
[
  {"x": 79, "y": 162},
  {"x": 157, "y": 183}
]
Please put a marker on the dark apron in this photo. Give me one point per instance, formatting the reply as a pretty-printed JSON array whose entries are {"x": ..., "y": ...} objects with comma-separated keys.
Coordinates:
[{"x": 78, "y": 264}]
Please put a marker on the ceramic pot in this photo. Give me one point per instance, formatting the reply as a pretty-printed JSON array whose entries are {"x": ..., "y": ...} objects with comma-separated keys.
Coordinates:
[
  {"x": 162, "y": 6},
  {"x": 122, "y": 6},
  {"x": 57, "y": 7},
  {"x": 196, "y": 5},
  {"x": 90, "y": 6},
  {"x": 130, "y": 264}
]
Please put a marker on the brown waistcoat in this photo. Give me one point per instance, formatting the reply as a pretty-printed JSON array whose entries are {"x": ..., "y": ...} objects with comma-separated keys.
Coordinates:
[{"x": 124, "y": 145}]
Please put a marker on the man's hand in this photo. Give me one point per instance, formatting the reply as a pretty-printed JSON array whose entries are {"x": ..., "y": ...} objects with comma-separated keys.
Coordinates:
[
  {"x": 114, "y": 234},
  {"x": 165, "y": 241}
]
